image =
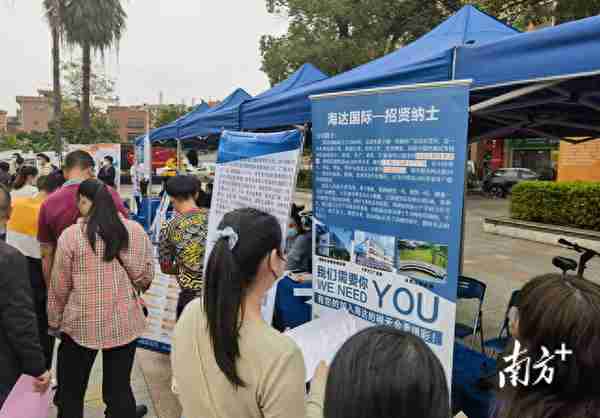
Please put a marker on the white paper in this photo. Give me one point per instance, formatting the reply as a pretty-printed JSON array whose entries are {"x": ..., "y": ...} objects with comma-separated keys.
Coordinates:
[
  {"x": 303, "y": 292},
  {"x": 268, "y": 305},
  {"x": 320, "y": 339}
]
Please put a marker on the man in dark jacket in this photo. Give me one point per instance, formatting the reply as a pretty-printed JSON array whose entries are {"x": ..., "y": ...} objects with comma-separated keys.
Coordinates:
[
  {"x": 20, "y": 350},
  {"x": 108, "y": 173}
]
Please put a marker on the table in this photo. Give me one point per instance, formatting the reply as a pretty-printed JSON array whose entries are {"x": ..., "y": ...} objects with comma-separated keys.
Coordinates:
[
  {"x": 291, "y": 311},
  {"x": 143, "y": 213},
  {"x": 467, "y": 394}
]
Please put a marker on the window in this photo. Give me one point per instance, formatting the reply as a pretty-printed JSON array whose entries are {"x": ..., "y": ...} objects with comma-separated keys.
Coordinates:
[
  {"x": 134, "y": 123},
  {"x": 132, "y": 136}
]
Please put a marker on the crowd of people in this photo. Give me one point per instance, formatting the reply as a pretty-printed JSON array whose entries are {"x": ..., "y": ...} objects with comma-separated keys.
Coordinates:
[{"x": 74, "y": 267}]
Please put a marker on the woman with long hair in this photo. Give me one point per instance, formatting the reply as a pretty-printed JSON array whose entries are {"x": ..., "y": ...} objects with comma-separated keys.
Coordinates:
[
  {"x": 557, "y": 327},
  {"x": 101, "y": 264},
  {"x": 383, "y": 372},
  {"x": 227, "y": 361},
  {"x": 23, "y": 186}
]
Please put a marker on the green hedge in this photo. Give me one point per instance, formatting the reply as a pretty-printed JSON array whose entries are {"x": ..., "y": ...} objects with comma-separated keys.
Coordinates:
[
  {"x": 304, "y": 179},
  {"x": 575, "y": 204}
]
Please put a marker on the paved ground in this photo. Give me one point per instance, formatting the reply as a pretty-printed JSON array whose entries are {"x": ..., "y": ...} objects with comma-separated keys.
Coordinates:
[{"x": 504, "y": 264}]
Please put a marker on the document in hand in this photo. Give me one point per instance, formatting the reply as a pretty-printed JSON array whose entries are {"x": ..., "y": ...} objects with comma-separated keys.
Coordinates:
[
  {"x": 23, "y": 402},
  {"x": 320, "y": 339}
]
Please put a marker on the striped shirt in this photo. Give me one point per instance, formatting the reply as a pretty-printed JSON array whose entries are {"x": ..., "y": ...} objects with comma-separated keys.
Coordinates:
[{"x": 93, "y": 301}]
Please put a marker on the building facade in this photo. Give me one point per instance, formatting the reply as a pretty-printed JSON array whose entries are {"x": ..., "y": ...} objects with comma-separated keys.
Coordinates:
[
  {"x": 579, "y": 161},
  {"x": 35, "y": 112},
  {"x": 3, "y": 121},
  {"x": 131, "y": 121}
]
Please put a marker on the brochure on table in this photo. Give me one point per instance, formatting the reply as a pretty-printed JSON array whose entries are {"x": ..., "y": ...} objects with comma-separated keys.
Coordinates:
[{"x": 389, "y": 181}]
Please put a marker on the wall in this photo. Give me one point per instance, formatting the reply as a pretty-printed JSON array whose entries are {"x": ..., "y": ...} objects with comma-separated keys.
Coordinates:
[
  {"x": 131, "y": 122},
  {"x": 579, "y": 161},
  {"x": 34, "y": 113},
  {"x": 3, "y": 121}
]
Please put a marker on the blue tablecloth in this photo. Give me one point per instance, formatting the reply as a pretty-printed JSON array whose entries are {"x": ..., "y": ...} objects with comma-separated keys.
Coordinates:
[
  {"x": 291, "y": 311},
  {"x": 467, "y": 394},
  {"x": 146, "y": 210}
]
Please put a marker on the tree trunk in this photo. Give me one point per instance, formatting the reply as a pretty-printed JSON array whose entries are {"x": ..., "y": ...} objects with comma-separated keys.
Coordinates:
[
  {"x": 85, "y": 89},
  {"x": 57, "y": 92}
]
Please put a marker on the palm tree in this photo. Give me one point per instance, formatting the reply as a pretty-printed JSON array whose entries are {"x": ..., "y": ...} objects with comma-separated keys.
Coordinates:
[
  {"x": 96, "y": 26},
  {"x": 54, "y": 14}
]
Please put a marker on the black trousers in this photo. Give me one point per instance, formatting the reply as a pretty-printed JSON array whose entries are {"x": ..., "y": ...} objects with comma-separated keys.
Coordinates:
[
  {"x": 40, "y": 301},
  {"x": 74, "y": 366}
]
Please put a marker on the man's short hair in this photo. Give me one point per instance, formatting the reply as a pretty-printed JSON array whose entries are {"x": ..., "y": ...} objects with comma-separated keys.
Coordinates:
[
  {"x": 183, "y": 187},
  {"x": 4, "y": 166},
  {"x": 109, "y": 158},
  {"x": 4, "y": 201},
  {"x": 79, "y": 159},
  {"x": 44, "y": 156}
]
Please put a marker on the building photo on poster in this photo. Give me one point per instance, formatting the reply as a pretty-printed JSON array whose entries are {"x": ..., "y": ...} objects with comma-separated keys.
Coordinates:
[{"x": 389, "y": 180}]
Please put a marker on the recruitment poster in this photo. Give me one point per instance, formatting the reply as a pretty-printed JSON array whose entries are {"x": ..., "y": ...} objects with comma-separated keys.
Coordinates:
[
  {"x": 161, "y": 301},
  {"x": 98, "y": 152},
  {"x": 389, "y": 181},
  {"x": 257, "y": 171}
]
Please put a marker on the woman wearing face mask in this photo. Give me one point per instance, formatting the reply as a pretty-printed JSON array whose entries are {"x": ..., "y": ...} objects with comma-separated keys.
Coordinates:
[
  {"x": 299, "y": 243},
  {"x": 227, "y": 361}
]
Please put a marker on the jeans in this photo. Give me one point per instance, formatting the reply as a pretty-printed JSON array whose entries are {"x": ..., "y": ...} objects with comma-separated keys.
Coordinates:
[{"x": 74, "y": 366}]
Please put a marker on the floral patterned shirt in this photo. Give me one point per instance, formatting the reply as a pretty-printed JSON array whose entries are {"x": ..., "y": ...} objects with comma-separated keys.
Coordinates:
[{"x": 181, "y": 248}]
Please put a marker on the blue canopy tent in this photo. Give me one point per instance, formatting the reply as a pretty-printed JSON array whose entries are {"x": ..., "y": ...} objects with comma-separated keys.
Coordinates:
[
  {"x": 428, "y": 59},
  {"x": 544, "y": 83},
  {"x": 213, "y": 121},
  {"x": 258, "y": 112},
  {"x": 170, "y": 130}
]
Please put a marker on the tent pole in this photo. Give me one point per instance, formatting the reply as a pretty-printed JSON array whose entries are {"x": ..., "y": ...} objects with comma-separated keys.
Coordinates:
[
  {"x": 511, "y": 96},
  {"x": 454, "y": 54}
]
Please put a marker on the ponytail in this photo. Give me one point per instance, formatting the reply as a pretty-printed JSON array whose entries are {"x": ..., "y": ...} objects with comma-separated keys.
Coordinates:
[
  {"x": 224, "y": 289},
  {"x": 231, "y": 270},
  {"x": 22, "y": 175}
]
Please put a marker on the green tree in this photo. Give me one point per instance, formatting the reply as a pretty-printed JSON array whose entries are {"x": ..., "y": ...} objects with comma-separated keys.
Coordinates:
[
  {"x": 521, "y": 13},
  {"x": 102, "y": 129},
  {"x": 96, "y": 26},
  {"x": 338, "y": 35},
  {"x": 168, "y": 114},
  {"x": 54, "y": 15},
  {"x": 101, "y": 85}
]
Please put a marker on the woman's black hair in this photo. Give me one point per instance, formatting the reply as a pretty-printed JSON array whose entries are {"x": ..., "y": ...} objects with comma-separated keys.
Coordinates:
[
  {"x": 384, "y": 372},
  {"x": 51, "y": 182},
  {"x": 183, "y": 187},
  {"x": 192, "y": 156},
  {"x": 295, "y": 215},
  {"x": 229, "y": 275},
  {"x": 103, "y": 220},
  {"x": 25, "y": 172}
]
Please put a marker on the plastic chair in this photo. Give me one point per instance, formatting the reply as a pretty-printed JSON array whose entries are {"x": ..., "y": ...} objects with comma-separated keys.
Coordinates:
[
  {"x": 469, "y": 288},
  {"x": 498, "y": 345}
]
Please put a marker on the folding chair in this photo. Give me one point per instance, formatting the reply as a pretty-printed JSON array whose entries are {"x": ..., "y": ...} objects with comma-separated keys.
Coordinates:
[
  {"x": 498, "y": 345},
  {"x": 469, "y": 288}
]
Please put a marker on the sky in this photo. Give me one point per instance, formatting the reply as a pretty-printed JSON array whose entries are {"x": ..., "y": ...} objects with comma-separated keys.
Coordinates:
[{"x": 188, "y": 49}]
